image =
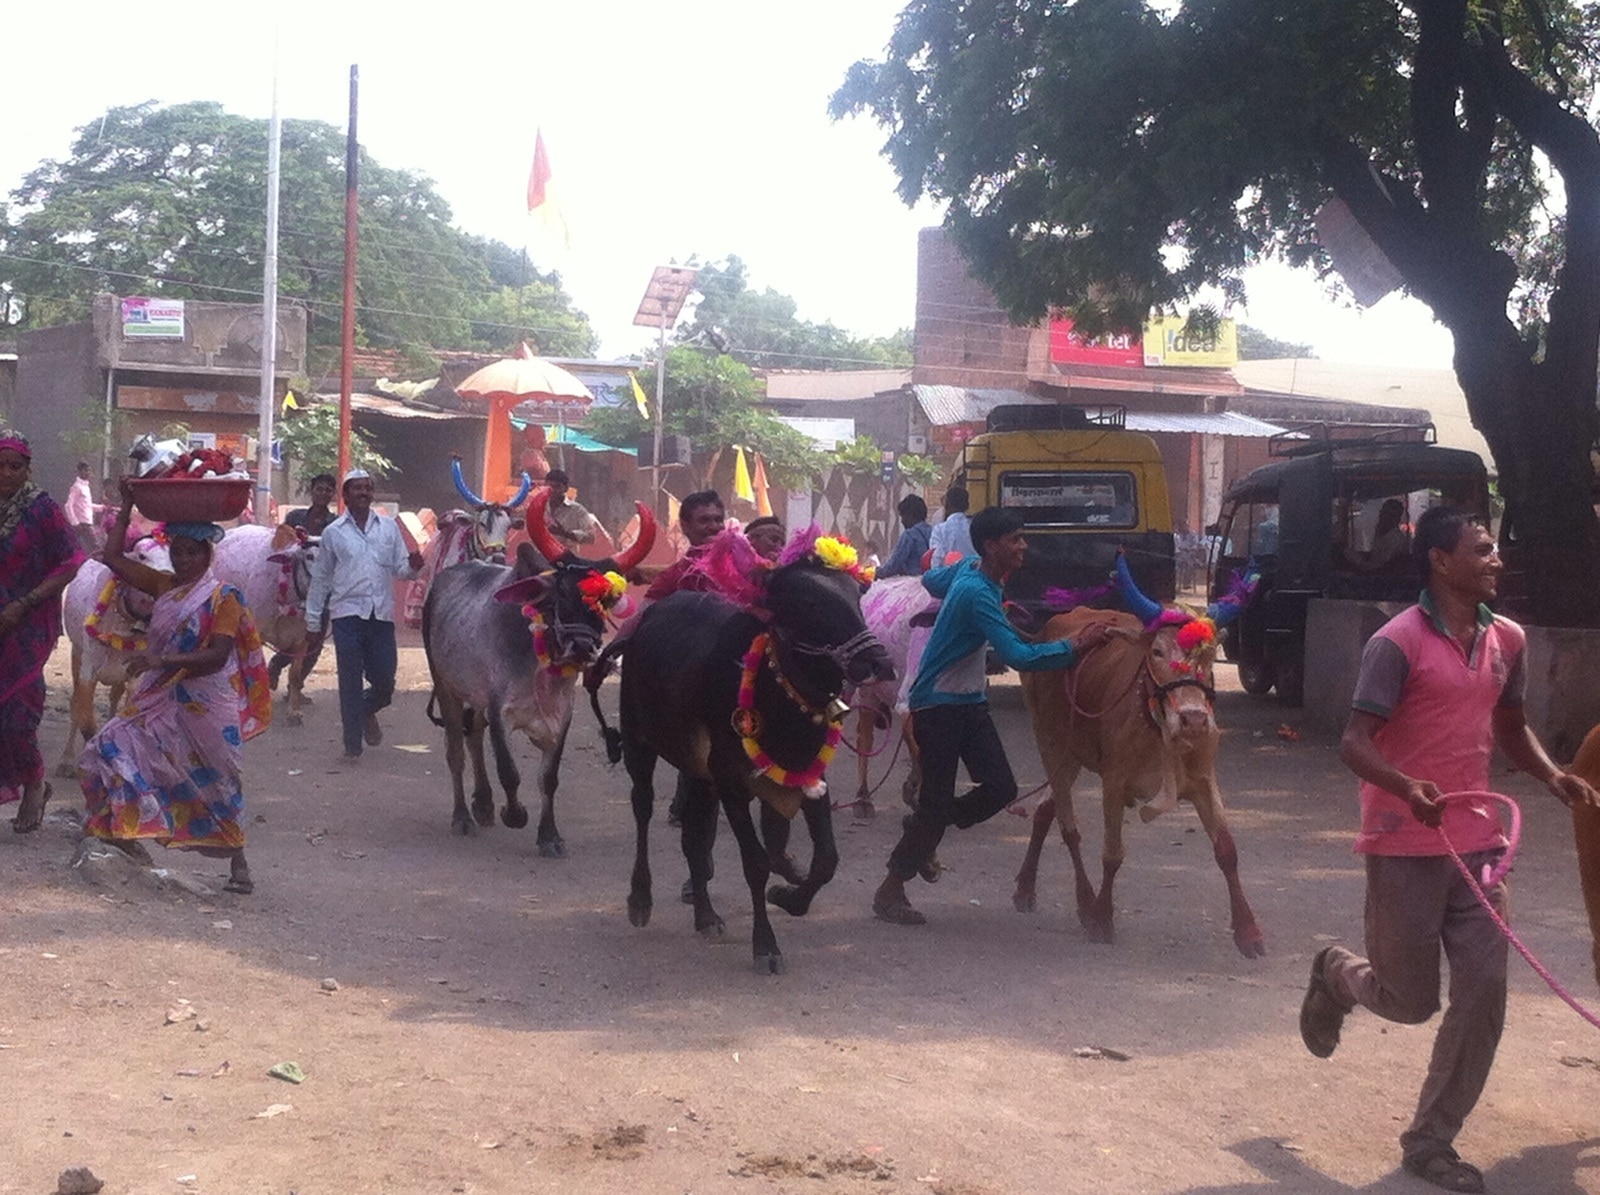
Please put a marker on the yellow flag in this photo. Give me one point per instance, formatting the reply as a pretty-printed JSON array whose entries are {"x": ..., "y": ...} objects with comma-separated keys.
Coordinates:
[
  {"x": 638, "y": 397},
  {"x": 741, "y": 478},
  {"x": 289, "y": 403}
]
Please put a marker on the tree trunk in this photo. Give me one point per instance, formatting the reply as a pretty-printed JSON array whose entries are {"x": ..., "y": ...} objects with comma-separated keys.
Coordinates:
[{"x": 1539, "y": 421}]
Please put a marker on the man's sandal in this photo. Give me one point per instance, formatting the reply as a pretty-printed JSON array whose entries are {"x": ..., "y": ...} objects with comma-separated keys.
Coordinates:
[
  {"x": 1321, "y": 1015},
  {"x": 1444, "y": 1168}
]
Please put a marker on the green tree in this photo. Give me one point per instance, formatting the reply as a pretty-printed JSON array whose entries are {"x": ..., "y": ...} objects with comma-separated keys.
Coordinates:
[
  {"x": 171, "y": 201},
  {"x": 1256, "y": 345},
  {"x": 761, "y": 328},
  {"x": 311, "y": 439},
  {"x": 714, "y": 401},
  {"x": 1111, "y": 156}
]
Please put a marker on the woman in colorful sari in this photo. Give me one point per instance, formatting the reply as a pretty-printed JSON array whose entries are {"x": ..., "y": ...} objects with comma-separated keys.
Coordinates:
[
  {"x": 38, "y": 557},
  {"x": 167, "y": 767}
]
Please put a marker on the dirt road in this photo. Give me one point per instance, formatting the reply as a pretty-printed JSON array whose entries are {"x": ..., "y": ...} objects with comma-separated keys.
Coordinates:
[{"x": 498, "y": 1026}]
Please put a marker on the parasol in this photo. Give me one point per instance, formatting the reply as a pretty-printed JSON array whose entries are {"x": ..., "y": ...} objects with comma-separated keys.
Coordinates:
[{"x": 508, "y": 383}]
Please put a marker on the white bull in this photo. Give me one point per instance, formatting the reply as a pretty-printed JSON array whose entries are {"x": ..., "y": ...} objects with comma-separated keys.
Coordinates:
[{"x": 888, "y": 608}]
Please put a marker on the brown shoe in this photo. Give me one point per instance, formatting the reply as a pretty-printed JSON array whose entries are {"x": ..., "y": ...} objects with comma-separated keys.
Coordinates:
[{"x": 1321, "y": 1016}]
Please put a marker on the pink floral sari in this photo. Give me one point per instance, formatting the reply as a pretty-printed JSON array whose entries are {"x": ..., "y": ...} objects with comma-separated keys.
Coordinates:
[{"x": 168, "y": 766}]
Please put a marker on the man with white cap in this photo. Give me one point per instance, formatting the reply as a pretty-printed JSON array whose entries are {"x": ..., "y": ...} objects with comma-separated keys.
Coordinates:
[{"x": 352, "y": 579}]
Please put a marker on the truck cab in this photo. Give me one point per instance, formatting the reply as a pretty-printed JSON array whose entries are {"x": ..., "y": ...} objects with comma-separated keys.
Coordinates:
[
  {"x": 1086, "y": 486},
  {"x": 1331, "y": 519}
]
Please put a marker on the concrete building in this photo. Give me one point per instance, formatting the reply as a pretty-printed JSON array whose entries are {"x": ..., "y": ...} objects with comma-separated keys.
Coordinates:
[{"x": 139, "y": 365}]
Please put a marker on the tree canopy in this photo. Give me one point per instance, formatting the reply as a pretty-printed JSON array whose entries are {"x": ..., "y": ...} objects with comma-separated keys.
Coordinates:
[
  {"x": 712, "y": 399},
  {"x": 762, "y": 328},
  {"x": 1107, "y": 157},
  {"x": 1256, "y": 345},
  {"x": 171, "y": 201}
]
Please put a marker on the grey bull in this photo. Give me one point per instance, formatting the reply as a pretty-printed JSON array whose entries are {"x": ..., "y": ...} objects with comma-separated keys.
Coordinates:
[{"x": 505, "y": 646}]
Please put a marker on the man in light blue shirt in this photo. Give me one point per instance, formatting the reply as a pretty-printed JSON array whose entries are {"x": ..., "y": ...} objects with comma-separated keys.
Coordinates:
[
  {"x": 950, "y": 708},
  {"x": 954, "y": 534},
  {"x": 352, "y": 580}
]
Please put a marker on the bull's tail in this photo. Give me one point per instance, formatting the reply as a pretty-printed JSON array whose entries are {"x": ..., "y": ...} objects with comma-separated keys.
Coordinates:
[{"x": 592, "y": 680}]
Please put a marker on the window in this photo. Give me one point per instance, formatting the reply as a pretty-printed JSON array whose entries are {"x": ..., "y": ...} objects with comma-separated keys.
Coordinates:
[
  {"x": 1089, "y": 500},
  {"x": 1253, "y": 531}
]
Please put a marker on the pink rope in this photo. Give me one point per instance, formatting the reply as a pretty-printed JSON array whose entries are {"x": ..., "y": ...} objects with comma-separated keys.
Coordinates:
[{"x": 1491, "y": 877}]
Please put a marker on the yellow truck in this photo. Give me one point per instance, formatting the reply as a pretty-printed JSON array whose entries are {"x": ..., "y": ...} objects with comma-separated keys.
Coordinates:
[{"x": 1086, "y": 486}]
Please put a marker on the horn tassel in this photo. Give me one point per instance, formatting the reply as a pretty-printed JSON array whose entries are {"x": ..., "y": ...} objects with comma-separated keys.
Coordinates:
[
  {"x": 461, "y": 483},
  {"x": 539, "y": 527},
  {"x": 1241, "y": 589}
]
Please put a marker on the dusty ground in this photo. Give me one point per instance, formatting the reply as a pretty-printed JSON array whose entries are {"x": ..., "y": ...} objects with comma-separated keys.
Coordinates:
[{"x": 499, "y": 1027}]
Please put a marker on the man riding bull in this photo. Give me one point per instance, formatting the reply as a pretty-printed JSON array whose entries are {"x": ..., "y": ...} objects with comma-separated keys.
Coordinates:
[{"x": 950, "y": 709}]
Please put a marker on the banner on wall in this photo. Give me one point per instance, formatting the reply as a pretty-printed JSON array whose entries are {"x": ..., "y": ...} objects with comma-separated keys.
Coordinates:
[
  {"x": 1168, "y": 342},
  {"x": 152, "y": 319},
  {"x": 1068, "y": 348}
]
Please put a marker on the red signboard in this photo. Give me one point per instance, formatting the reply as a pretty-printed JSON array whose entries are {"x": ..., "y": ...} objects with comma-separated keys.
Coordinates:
[{"x": 1067, "y": 348}]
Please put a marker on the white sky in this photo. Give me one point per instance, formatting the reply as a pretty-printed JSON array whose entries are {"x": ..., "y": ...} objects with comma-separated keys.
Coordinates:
[{"x": 695, "y": 128}]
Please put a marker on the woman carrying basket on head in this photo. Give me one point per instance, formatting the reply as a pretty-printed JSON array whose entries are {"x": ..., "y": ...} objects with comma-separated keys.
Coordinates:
[
  {"x": 38, "y": 557},
  {"x": 167, "y": 767}
]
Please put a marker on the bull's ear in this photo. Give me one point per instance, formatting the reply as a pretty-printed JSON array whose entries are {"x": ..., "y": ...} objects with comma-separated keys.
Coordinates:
[
  {"x": 517, "y": 524},
  {"x": 529, "y": 561},
  {"x": 528, "y": 589},
  {"x": 281, "y": 557},
  {"x": 283, "y": 537}
]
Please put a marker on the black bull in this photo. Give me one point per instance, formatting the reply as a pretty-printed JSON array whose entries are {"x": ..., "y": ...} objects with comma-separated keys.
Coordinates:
[{"x": 680, "y": 690}]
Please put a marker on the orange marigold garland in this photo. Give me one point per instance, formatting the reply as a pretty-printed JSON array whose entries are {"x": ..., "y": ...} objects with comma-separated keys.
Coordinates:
[{"x": 747, "y": 725}]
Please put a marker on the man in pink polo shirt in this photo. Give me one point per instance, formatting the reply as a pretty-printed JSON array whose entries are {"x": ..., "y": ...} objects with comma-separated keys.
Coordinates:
[{"x": 1440, "y": 685}]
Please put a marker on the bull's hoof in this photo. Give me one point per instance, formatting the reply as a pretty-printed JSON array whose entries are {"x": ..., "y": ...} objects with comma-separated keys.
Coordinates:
[
  {"x": 790, "y": 899},
  {"x": 1023, "y": 900},
  {"x": 783, "y": 866},
  {"x": 1097, "y": 929},
  {"x": 1250, "y": 942},
  {"x": 483, "y": 812},
  {"x": 464, "y": 826},
  {"x": 516, "y": 817},
  {"x": 639, "y": 911},
  {"x": 551, "y": 848},
  {"x": 865, "y": 810},
  {"x": 295, "y": 720},
  {"x": 710, "y": 927},
  {"x": 770, "y": 964}
]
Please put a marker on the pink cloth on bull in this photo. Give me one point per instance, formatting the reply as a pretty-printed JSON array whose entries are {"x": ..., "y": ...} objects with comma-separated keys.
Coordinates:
[
  {"x": 167, "y": 767},
  {"x": 887, "y": 608}
]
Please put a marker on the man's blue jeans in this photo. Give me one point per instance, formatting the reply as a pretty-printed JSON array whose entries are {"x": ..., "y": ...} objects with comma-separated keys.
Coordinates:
[{"x": 368, "y": 658}]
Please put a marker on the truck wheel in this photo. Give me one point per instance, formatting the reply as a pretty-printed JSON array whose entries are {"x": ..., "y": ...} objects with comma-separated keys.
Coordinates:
[
  {"x": 1290, "y": 673},
  {"x": 1255, "y": 676}
]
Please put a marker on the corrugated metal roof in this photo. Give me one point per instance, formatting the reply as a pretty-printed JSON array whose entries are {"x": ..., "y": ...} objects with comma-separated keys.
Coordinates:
[
  {"x": 396, "y": 409},
  {"x": 946, "y": 405},
  {"x": 1223, "y": 423}
]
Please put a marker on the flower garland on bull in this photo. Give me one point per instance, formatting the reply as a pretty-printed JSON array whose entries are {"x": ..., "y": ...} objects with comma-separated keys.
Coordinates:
[
  {"x": 600, "y": 591},
  {"x": 832, "y": 552},
  {"x": 111, "y": 593}
]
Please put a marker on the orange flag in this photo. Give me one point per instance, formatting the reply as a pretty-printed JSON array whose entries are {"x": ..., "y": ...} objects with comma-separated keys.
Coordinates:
[
  {"x": 541, "y": 192},
  {"x": 759, "y": 484}
]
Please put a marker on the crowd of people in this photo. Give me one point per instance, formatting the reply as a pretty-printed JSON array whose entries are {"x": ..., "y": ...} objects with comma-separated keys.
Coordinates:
[{"x": 1440, "y": 685}]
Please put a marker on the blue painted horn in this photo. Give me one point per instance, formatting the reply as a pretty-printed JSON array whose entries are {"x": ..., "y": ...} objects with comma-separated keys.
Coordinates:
[
  {"x": 527, "y": 484},
  {"x": 1231, "y": 604},
  {"x": 1141, "y": 607},
  {"x": 461, "y": 484}
]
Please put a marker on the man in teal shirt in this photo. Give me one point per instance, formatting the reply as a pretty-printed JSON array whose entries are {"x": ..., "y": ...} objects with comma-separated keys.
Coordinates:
[{"x": 949, "y": 703}]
